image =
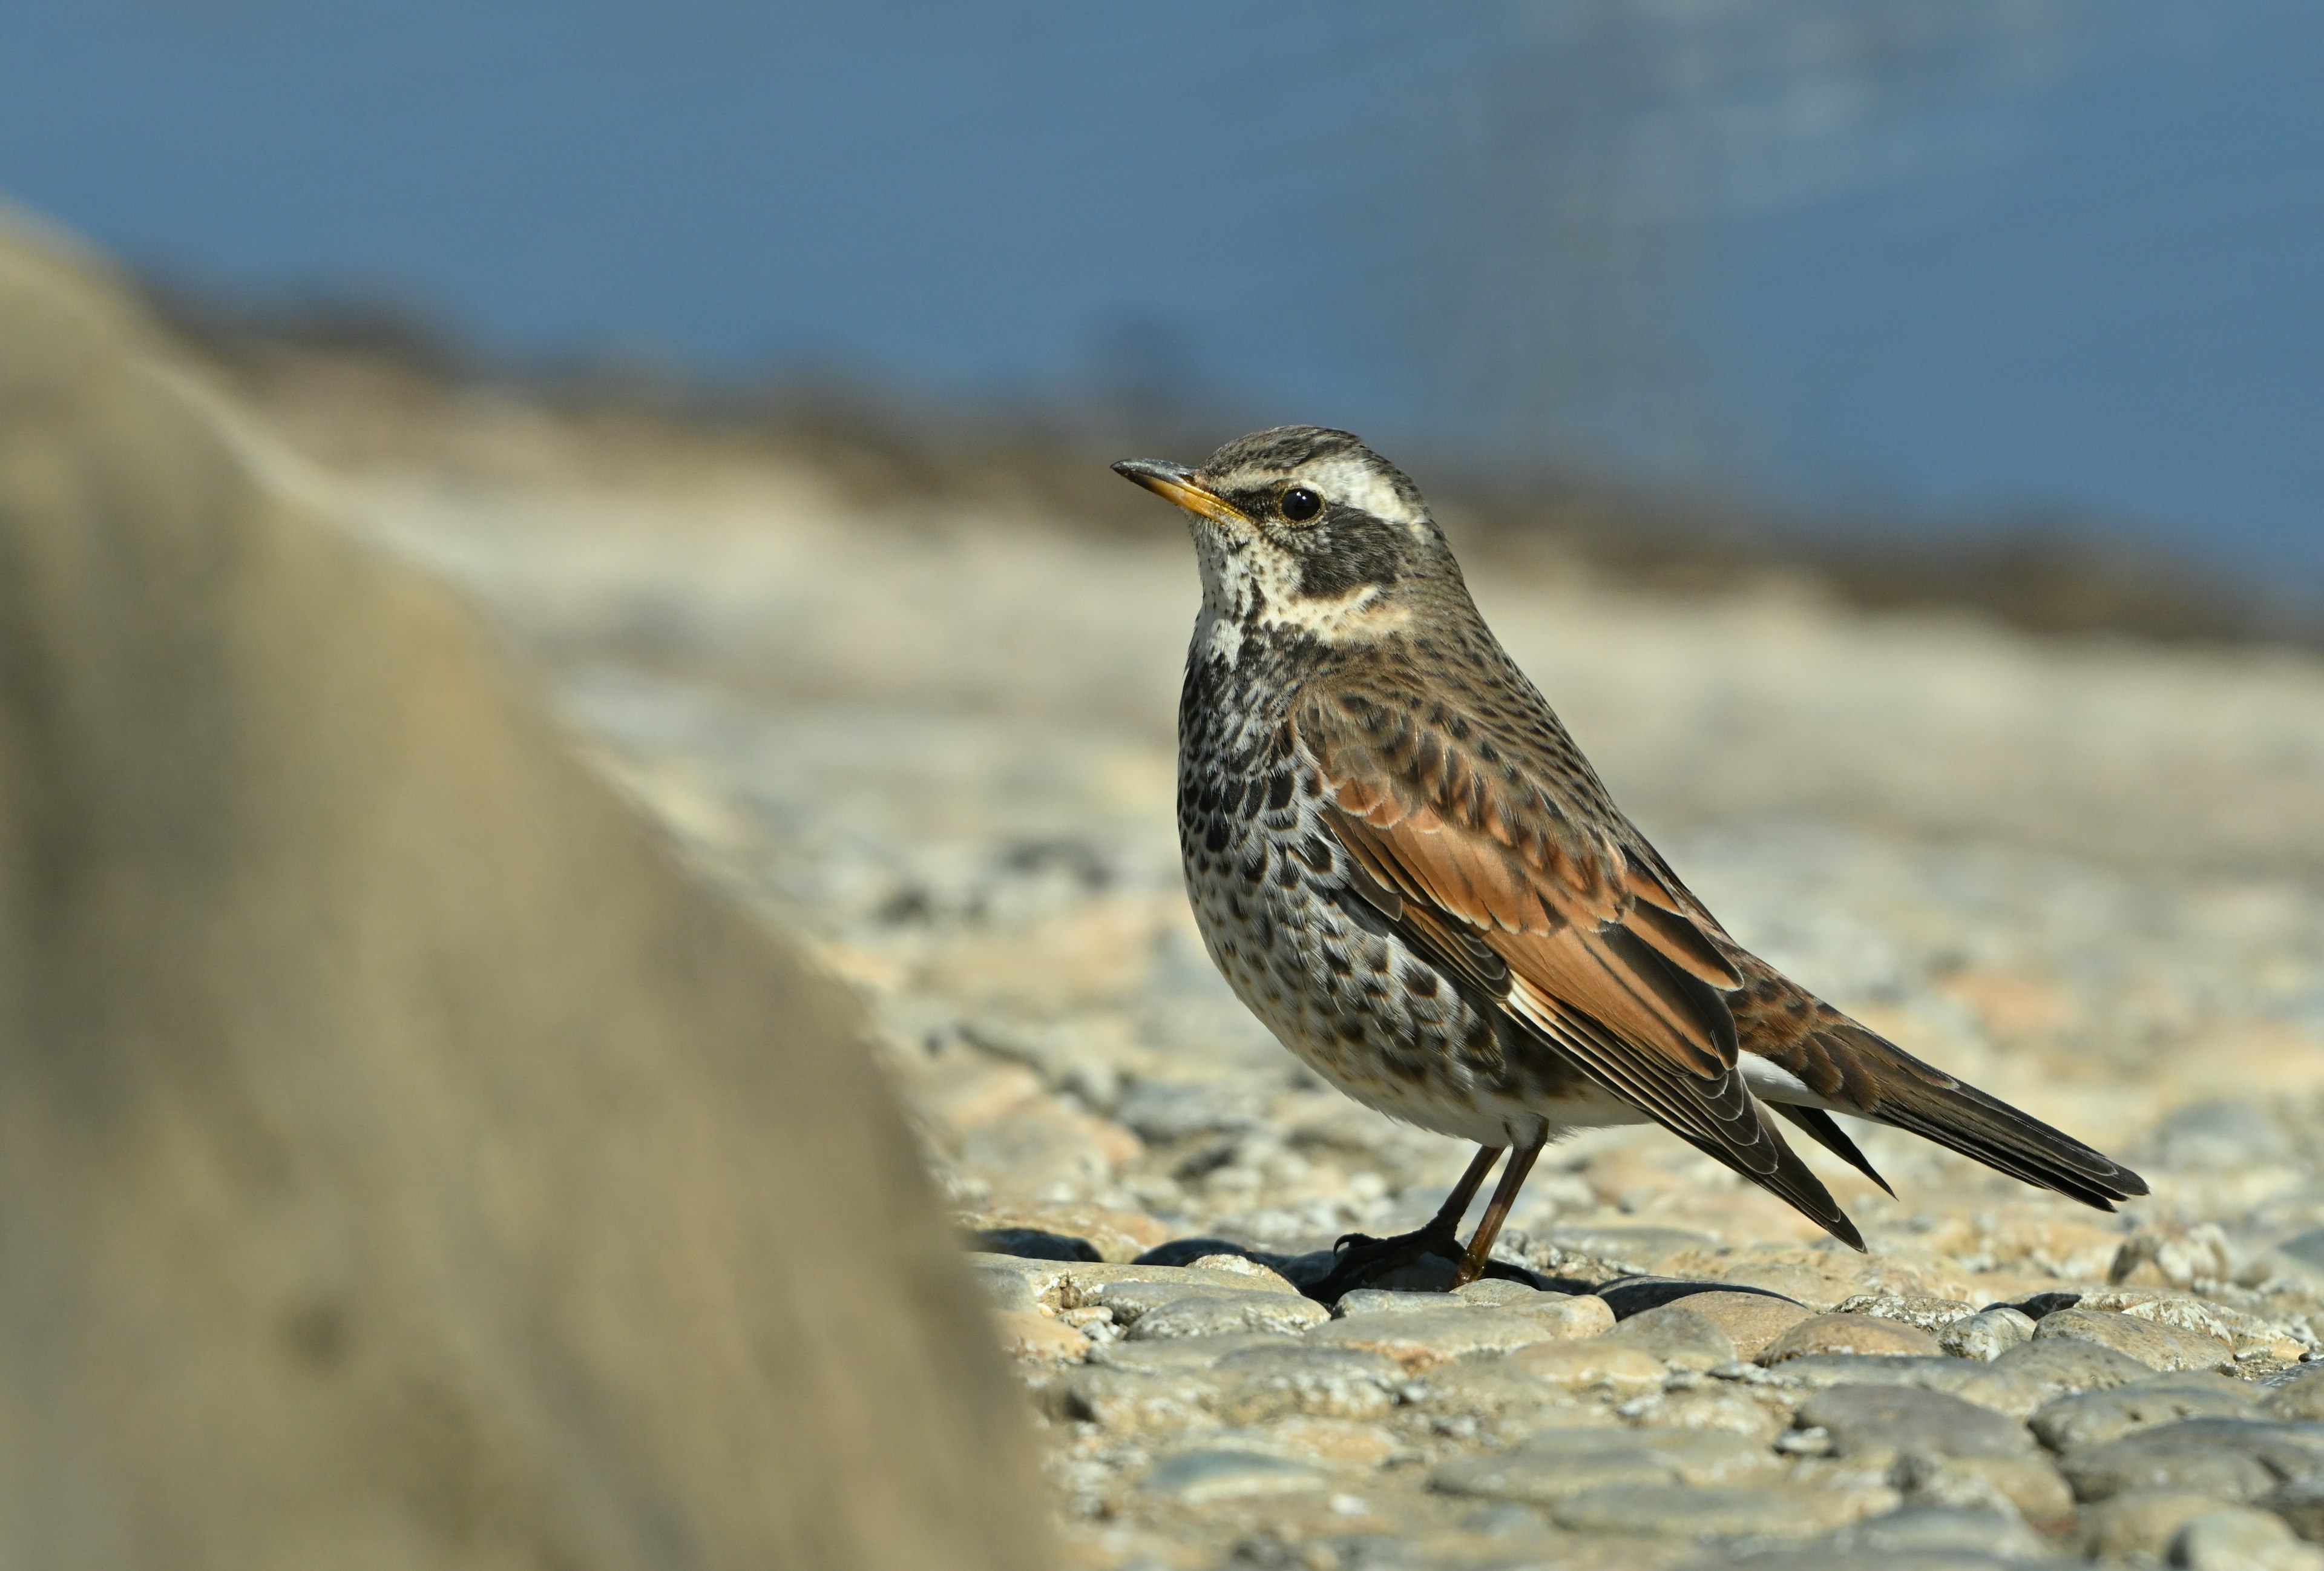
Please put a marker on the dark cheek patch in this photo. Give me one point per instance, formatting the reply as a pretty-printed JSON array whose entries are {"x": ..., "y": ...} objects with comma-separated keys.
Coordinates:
[{"x": 1347, "y": 551}]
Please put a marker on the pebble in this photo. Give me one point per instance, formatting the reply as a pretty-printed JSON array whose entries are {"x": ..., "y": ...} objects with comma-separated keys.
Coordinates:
[
  {"x": 2135, "y": 1525},
  {"x": 2026, "y": 1485},
  {"x": 2233, "y": 1538},
  {"x": 1816, "y": 1370},
  {"x": 2095, "y": 1417},
  {"x": 1604, "y": 1363},
  {"x": 1749, "y": 1321},
  {"x": 1987, "y": 1335},
  {"x": 1774, "y": 1511},
  {"x": 1862, "y": 1335},
  {"x": 1267, "y": 1379},
  {"x": 1423, "y": 1338},
  {"x": 1679, "y": 1336},
  {"x": 2300, "y": 1396},
  {"x": 2227, "y": 1459},
  {"x": 1929, "y": 1313},
  {"x": 1862, "y": 1420},
  {"x": 1723, "y": 1406},
  {"x": 2151, "y": 1344},
  {"x": 2301, "y": 1503},
  {"x": 2028, "y": 1377},
  {"x": 1557, "y": 1464},
  {"x": 1898, "y": 1538},
  {"x": 1029, "y": 1335},
  {"x": 1197, "y": 1476},
  {"x": 1211, "y": 1314}
]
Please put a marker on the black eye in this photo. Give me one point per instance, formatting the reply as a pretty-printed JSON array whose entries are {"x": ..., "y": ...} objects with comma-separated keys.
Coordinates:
[{"x": 1299, "y": 505}]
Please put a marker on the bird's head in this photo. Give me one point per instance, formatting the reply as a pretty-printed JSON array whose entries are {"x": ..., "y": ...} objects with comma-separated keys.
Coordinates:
[{"x": 1303, "y": 529}]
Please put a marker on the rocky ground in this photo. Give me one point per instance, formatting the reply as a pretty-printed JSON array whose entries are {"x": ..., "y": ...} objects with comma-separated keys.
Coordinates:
[{"x": 2089, "y": 877}]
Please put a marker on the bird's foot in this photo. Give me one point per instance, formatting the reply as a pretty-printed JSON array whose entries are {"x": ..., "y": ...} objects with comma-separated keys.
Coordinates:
[{"x": 1359, "y": 1258}]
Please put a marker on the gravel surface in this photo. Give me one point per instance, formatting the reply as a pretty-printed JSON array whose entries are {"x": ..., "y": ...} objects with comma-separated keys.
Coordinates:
[{"x": 2090, "y": 877}]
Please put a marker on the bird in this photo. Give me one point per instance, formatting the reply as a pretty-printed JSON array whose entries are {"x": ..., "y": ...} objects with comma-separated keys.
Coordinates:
[{"x": 1405, "y": 868}]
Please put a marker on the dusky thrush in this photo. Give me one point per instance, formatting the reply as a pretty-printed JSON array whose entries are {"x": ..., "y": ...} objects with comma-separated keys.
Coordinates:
[{"x": 1407, "y": 869}]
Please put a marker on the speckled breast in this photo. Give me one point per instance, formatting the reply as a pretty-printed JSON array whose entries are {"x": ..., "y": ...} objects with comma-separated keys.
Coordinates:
[{"x": 1319, "y": 967}]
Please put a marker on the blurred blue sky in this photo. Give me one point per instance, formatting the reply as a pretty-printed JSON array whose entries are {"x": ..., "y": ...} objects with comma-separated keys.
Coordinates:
[{"x": 1931, "y": 259}]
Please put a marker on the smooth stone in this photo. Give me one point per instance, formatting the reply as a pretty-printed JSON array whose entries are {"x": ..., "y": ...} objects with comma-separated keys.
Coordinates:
[
  {"x": 1871, "y": 1419},
  {"x": 1592, "y": 1364},
  {"x": 1199, "y": 1476},
  {"x": 2154, "y": 1344},
  {"x": 1862, "y": 1335},
  {"x": 2228, "y": 1459},
  {"x": 1631, "y": 1295},
  {"x": 1817, "y": 1371},
  {"x": 1320, "y": 1382},
  {"x": 2138, "y": 1524},
  {"x": 1011, "y": 1281},
  {"x": 2095, "y": 1417},
  {"x": 2028, "y": 1377},
  {"x": 2027, "y": 1483},
  {"x": 1504, "y": 1293},
  {"x": 2301, "y": 1503},
  {"x": 1037, "y": 1338},
  {"x": 2239, "y": 1538},
  {"x": 1215, "y": 1314},
  {"x": 1123, "y": 1402},
  {"x": 1917, "y": 1528},
  {"x": 1677, "y": 1335},
  {"x": 1303, "y": 1437},
  {"x": 2298, "y": 1397},
  {"x": 1929, "y": 1313},
  {"x": 1987, "y": 1335},
  {"x": 1420, "y": 1339},
  {"x": 1749, "y": 1321},
  {"x": 1243, "y": 1268},
  {"x": 1722, "y": 1407},
  {"x": 1770, "y": 1509},
  {"x": 1555, "y": 1464},
  {"x": 1486, "y": 1391},
  {"x": 1033, "y": 1244},
  {"x": 2165, "y": 1307},
  {"x": 1633, "y": 1251},
  {"x": 1183, "y": 1355},
  {"x": 1360, "y": 1302}
]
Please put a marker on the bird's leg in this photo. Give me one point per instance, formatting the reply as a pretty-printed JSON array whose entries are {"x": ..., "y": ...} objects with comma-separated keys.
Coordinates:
[
  {"x": 1505, "y": 1195},
  {"x": 1360, "y": 1255}
]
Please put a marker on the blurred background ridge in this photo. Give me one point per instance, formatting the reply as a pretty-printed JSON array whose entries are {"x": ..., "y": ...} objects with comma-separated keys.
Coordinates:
[{"x": 1854, "y": 273}]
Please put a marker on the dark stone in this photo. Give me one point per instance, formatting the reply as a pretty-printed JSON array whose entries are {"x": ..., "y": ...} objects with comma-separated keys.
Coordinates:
[
  {"x": 1032, "y": 1243},
  {"x": 1629, "y": 1296}
]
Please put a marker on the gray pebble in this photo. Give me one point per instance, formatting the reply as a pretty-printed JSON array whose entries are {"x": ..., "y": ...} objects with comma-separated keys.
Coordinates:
[
  {"x": 1203, "y": 1474},
  {"x": 2026, "y": 1378},
  {"x": 2238, "y": 1539},
  {"x": 1771, "y": 1510},
  {"x": 2151, "y": 1344},
  {"x": 1872, "y": 1418},
  {"x": 1555, "y": 1464},
  {"x": 1215, "y": 1314},
  {"x": 2095, "y": 1417},
  {"x": 2227, "y": 1459}
]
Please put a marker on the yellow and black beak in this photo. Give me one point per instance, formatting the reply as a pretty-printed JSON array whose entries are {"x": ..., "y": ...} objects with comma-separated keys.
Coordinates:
[{"x": 1177, "y": 483}]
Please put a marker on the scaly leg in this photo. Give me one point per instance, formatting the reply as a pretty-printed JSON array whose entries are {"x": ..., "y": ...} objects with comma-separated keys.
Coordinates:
[
  {"x": 1360, "y": 1255},
  {"x": 1505, "y": 1195}
]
